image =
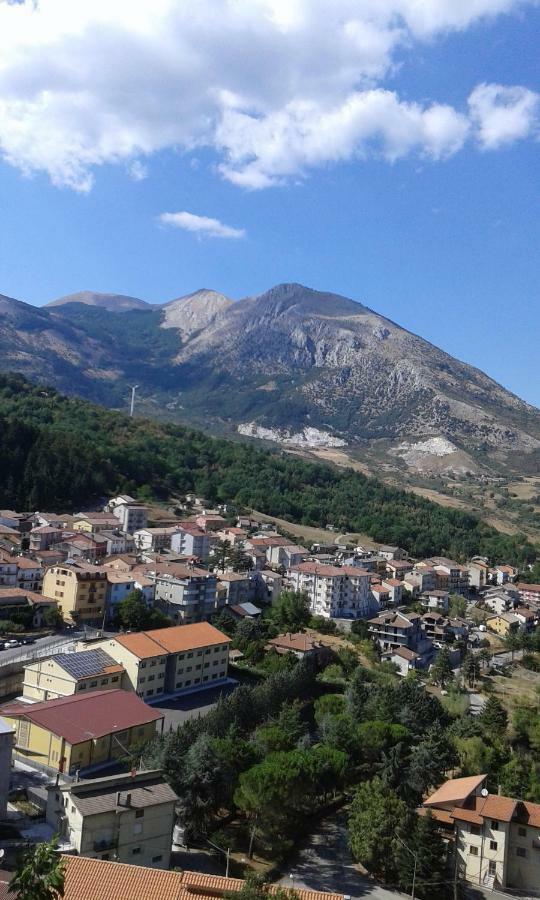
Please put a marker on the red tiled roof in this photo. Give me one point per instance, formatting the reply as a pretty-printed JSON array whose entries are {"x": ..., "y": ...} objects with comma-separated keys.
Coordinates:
[
  {"x": 455, "y": 790},
  {"x": 80, "y": 717}
]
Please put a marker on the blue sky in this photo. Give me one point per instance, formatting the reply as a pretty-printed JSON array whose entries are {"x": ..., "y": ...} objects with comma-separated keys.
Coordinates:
[{"x": 334, "y": 170}]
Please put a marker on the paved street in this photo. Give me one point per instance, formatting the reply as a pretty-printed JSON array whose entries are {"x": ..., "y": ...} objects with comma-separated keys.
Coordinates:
[
  {"x": 40, "y": 647},
  {"x": 324, "y": 863}
]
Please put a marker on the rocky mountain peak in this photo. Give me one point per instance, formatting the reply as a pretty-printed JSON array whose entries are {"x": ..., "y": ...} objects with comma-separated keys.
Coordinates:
[{"x": 110, "y": 302}]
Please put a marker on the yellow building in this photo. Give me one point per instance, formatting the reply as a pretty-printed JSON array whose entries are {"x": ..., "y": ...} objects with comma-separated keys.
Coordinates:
[
  {"x": 80, "y": 732},
  {"x": 171, "y": 660},
  {"x": 79, "y": 590},
  {"x": 503, "y": 624},
  {"x": 69, "y": 673}
]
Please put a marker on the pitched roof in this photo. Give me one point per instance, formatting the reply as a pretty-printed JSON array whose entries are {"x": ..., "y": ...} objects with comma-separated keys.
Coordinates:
[
  {"x": 312, "y": 568},
  {"x": 99, "y": 795},
  {"x": 86, "y": 663},
  {"x": 84, "y": 716},
  {"x": 455, "y": 790},
  {"x": 99, "y": 879},
  {"x": 161, "y": 641},
  {"x": 490, "y": 807}
]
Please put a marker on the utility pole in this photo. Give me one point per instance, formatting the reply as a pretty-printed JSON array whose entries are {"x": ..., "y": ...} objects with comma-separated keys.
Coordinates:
[
  {"x": 415, "y": 857},
  {"x": 132, "y": 405}
]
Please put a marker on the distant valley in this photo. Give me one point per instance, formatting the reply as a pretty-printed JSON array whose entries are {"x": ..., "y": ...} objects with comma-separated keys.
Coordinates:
[{"x": 316, "y": 373}]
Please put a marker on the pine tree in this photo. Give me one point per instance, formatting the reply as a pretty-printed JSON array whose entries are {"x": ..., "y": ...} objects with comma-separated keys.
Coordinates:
[{"x": 494, "y": 717}]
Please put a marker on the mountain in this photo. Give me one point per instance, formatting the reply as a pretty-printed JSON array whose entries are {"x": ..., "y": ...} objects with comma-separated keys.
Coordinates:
[
  {"x": 110, "y": 302},
  {"x": 311, "y": 371},
  {"x": 194, "y": 312}
]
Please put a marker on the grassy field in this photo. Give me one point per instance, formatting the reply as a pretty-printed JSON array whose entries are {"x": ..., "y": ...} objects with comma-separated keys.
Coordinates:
[{"x": 316, "y": 535}]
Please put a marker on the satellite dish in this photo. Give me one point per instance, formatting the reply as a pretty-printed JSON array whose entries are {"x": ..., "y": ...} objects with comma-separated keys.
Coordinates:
[
  {"x": 484, "y": 792},
  {"x": 2, "y": 854}
]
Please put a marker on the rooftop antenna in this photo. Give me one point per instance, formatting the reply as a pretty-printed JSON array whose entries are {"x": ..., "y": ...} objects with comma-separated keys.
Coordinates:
[{"x": 132, "y": 405}]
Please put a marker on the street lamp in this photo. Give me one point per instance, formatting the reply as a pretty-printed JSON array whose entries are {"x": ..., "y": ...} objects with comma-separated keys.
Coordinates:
[{"x": 415, "y": 857}]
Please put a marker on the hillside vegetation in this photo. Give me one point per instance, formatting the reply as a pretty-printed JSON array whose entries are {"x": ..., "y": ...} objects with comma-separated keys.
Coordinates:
[{"x": 61, "y": 453}]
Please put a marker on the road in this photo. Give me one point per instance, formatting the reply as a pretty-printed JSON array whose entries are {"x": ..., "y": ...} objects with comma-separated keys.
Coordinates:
[
  {"x": 179, "y": 709},
  {"x": 40, "y": 647},
  {"x": 324, "y": 863}
]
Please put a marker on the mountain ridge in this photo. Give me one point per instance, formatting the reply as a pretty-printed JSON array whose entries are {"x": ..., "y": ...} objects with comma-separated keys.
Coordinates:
[{"x": 293, "y": 366}]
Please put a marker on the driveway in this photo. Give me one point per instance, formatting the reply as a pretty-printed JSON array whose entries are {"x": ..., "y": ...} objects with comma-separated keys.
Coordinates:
[{"x": 324, "y": 863}]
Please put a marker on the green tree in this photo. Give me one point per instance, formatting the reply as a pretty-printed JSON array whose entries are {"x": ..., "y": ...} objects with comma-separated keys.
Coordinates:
[
  {"x": 40, "y": 875},
  {"x": 52, "y": 618},
  {"x": 290, "y": 612},
  {"x": 221, "y": 555},
  {"x": 377, "y": 815},
  {"x": 494, "y": 718},
  {"x": 470, "y": 668},
  {"x": 458, "y": 606},
  {"x": 133, "y": 613},
  {"x": 203, "y": 783},
  {"x": 426, "y": 847},
  {"x": 441, "y": 671}
]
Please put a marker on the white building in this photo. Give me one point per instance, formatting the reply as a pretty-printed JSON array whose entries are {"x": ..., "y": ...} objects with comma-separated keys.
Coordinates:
[
  {"x": 334, "y": 592},
  {"x": 191, "y": 540}
]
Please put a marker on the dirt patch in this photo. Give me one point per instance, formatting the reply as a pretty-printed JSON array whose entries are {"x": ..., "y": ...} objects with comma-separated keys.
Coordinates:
[
  {"x": 315, "y": 535},
  {"x": 519, "y": 689}
]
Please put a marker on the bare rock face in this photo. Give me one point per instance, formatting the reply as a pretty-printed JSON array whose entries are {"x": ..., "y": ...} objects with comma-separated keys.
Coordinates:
[
  {"x": 194, "y": 312},
  {"x": 305, "y": 366}
]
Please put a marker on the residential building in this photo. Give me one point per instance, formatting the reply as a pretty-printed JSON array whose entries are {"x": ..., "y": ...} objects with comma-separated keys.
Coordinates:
[
  {"x": 117, "y": 542},
  {"x": 404, "y": 659},
  {"x": 285, "y": 556},
  {"x": 301, "y": 645},
  {"x": 80, "y": 545},
  {"x": 191, "y": 540},
  {"x": 421, "y": 579},
  {"x": 500, "y": 600},
  {"x": 93, "y": 523},
  {"x": 434, "y": 625},
  {"x": 81, "y": 732},
  {"x": 154, "y": 539},
  {"x": 528, "y": 618},
  {"x": 44, "y": 537},
  {"x": 505, "y": 574},
  {"x": 381, "y": 595},
  {"x": 235, "y": 536},
  {"x": 132, "y": 515},
  {"x": 450, "y": 575},
  {"x": 437, "y": 600},
  {"x": 391, "y": 553},
  {"x": 6, "y": 754},
  {"x": 503, "y": 624},
  {"x": 128, "y": 818},
  {"x": 392, "y": 629},
  {"x": 395, "y": 588},
  {"x": 269, "y": 585},
  {"x": 528, "y": 593},
  {"x": 16, "y": 601},
  {"x": 8, "y": 571},
  {"x": 66, "y": 674},
  {"x": 245, "y": 611},
  {"x": 236, "y": 587},
  {"x": 29, "y": 574},
  {"x": 210, "y": 521},
  {"x": 79, "y": 590},
  {"x": 478, "y": 574},
  {"x": 334, "y": 592},
  {"x": 171, "y": 660},
  {"x": 398, "y": 568},
  {"x": 189, "y": 595},
  {"x": 497, "y": 838},
  {"x": 98, "y": 879}
]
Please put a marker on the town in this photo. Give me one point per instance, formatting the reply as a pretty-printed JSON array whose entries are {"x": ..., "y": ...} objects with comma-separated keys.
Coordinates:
[{"x": 188, "y": 682}]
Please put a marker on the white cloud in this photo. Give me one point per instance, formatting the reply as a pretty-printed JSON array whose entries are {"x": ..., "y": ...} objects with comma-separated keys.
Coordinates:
[
  {"x": 137, "y": 170},
  {"x": 503, "y": 114},
  {"x": 201, "y": 225},
  {"x": 275, "y": 86}
]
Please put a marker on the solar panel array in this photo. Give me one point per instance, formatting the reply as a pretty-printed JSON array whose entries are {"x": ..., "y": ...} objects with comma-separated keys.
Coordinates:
[{"x": 85, "y": 663}]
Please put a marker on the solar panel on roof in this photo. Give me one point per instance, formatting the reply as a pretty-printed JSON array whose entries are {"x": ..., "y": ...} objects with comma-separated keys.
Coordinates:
[{"x": 85, "y": 663}]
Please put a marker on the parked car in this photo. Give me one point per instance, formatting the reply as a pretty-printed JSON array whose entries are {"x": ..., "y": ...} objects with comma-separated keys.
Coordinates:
[{"x": 10, "y": 644}]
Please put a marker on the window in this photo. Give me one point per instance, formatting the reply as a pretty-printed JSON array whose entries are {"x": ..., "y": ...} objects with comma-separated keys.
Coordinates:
[
  {"x": 520, "y": 851},
  {"x": 114, "y": 678},
  {"x": 93, "y": 684},
  {"x": 104, "y": 680},
  {"x": 139, "y": 813},
  {"x": 522, "y": 832},
  {"x": 142, "y": 680},
  {"x": 142, "y": 665},
  {"x": 190, "y": 656},
  {"x": 492, "y": 867},
  {"x": 473, "y": 851},
  {"x": 137, "y": 828},
  {"x": 493, "y": 845},
  {"x": 494, "y": 825},
  {"x": 149, "y": 693},
  {"x": 151, "y": 677},
  {"x": 199, "y": 652},
  {"x": 153, "y": 662},
  {"x": 157, "y": 858},
  {"x": 136, "y": 851}
]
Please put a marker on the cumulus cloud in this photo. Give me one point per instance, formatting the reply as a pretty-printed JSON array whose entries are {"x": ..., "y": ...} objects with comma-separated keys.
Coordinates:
[
  {"x": 503, "y": 114},
  {"x": 201, "y": 225},
  {"x": 137, "y": 170},
  {"x": 273, "y": 86}
]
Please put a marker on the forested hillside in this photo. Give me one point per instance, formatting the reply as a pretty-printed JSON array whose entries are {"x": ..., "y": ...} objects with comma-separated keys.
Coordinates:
[{"x": 59, "y": 453}]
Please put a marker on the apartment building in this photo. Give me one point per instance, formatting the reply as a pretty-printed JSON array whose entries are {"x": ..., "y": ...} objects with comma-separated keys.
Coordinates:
[
  {"x": 437, "y": 600},
  {"x": 528, "y": 593},
  {"x": 154, "y": 539},
  {"x": 79, "y": 590},
  {"x": 127, "y": 818},
  {"x": 421, "y": 579},
  {"x": 132, "y": 515},
  {"x": 81, "y": 732},
  {"x": 392, "y": 629},
  {"x": 334, "y": 592},
  {"x": 450, "y": 576},
  {"x": 69, "y": 673},
  {"x": 398, "y": 568},
  {"x": 171, "y": 660},
  {"x": 188, "y": 594},
  {"x": 478, "y": 574},
  {"x": 286, "y": 556},
  {"x": 93, "y": 523},
  {"x": 497, "y": 839},
  {"x": 191, "y": 540},
  {"x": 44, "y": 537}
]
